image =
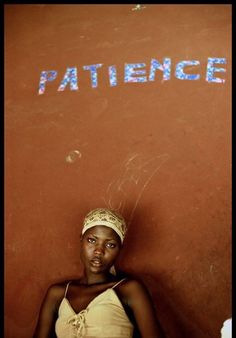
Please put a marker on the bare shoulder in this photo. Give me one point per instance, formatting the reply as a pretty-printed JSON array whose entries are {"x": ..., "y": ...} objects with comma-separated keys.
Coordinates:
[
  {"x": 132, "y": 289},
  {"x": 55, "y": 292},
  {"x": 132, "y": 286},
  {"x": 136, "y": 296},
  {"x": 49, "y": 310}
]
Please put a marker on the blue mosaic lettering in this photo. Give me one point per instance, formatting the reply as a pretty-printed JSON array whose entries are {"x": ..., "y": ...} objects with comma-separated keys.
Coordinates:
[
  {"x": 129, "y": 72},
  {"x": 112, "y": 76},
  {"x": 165, "y": 68},
  {"x": 70, "y": 77},
  {"x": 179, "y": 71},
  {"x": 211, "y": 70},
  {"x": 47, "y": 75},
  {"x": 93, "y": 72}
]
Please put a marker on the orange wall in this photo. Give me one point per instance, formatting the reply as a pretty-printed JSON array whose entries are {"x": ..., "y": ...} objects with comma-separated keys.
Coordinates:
[{"x": 159, "y": 151}]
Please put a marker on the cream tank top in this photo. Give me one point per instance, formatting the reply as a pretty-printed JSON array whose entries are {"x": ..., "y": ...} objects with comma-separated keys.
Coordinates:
[{"x": 104, "y": 317}]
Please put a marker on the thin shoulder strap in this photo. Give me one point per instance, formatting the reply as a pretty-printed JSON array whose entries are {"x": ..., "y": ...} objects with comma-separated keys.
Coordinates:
[
  {"x": 67, "y": 285},
  {"x": 118, "y": 283}
]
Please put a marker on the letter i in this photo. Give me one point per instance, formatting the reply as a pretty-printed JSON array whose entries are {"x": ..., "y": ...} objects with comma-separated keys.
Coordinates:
[{"x": 112, "y": 76}]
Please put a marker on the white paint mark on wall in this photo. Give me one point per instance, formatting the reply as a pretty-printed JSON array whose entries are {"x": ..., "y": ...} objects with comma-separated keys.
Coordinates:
[
  {"x": 137, "y": 172},
  {"x": 226, "y": 331},
  {"x": 138, "y": 7},
  {"x": 73, "y": 156}
]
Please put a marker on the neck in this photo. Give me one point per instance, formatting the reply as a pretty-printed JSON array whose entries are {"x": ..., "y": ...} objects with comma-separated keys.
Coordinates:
[{"x": 89, "y": 279}]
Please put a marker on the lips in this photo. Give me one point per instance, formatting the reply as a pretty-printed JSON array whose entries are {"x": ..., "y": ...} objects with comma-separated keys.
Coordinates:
[{"x": 96, "y": 262}]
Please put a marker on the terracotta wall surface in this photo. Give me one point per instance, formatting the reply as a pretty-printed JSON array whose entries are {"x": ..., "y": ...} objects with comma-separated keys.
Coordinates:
[{"x": 158, "y": 151}]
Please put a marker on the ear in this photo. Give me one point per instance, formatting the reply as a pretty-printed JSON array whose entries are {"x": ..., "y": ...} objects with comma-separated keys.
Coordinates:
[{"x": 113, "y": 270}]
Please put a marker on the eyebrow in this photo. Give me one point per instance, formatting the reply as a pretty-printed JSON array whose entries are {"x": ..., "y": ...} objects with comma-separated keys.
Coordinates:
[{"x": 107, "y": 239}]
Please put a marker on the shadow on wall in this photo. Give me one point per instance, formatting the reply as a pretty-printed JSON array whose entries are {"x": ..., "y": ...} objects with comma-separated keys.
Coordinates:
[
  {"x": 172, "y": 318},
  {"x": 171, "y": 310}
]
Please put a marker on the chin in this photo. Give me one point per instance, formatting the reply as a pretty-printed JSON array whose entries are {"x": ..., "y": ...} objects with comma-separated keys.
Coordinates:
[{"x": 97, "y": 270}]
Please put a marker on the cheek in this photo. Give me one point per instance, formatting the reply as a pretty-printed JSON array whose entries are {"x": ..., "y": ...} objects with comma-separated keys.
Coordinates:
[
  {"x": 85, "y": 251},
  {"x": 114, "y": 254}
]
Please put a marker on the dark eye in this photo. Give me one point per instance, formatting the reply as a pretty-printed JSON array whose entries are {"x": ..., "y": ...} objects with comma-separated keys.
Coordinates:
[
  {"x": 91, "y": 240},
  {"x": 111, "y": 245}
]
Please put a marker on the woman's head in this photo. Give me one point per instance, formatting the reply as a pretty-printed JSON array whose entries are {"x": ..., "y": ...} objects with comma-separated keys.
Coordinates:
[
  {"x": 102, "y": 236},
  {"x": 108, "y": 218}
]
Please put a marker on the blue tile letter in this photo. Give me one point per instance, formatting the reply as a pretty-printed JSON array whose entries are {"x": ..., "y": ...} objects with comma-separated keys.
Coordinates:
[
  {"x": 179, "y": 71},
  {"x": 165, "y": 68},
  {"x": 46, "y": 75},
  {"x": 210, "y": 70},
  {"x": 70, "y": 77},
  {"x": 93, "y": 72},
  {"x": 112, "y": 76},
  {"x": 130, "y": 71}
]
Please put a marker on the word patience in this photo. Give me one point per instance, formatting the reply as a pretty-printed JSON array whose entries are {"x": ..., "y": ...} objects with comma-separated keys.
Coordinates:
[{"x": 135, "y": 72}]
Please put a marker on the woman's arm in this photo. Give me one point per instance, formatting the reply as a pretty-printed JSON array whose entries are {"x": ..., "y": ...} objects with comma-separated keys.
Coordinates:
[
  {"x": 142, "y": 307},
  {"x": 45, "y": 327}
]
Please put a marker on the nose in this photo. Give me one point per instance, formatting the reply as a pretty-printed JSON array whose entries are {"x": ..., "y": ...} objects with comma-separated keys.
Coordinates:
[{"x": 99, "y": 250}]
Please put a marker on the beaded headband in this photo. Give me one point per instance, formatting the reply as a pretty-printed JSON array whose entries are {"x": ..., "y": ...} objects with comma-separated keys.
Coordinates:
[{"x": 106, "y": 217}]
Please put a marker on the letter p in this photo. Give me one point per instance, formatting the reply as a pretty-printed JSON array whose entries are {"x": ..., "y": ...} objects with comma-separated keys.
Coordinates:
[{"x": 48, "y": 75}]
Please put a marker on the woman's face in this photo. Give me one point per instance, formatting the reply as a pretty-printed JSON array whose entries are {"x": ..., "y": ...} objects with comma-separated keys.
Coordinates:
[{"x": 100, "y": 246}]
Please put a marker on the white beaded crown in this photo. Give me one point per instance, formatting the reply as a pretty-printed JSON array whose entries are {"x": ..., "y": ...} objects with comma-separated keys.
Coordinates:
[{"x": 106, "y": 217}]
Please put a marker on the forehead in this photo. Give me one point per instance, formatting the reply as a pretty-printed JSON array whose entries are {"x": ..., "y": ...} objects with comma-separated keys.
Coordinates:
[{"x": 102, "y": 231}]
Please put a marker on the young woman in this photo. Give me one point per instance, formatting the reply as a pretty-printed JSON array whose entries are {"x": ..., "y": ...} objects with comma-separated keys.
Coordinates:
[{"x": 99, "y": 304}]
